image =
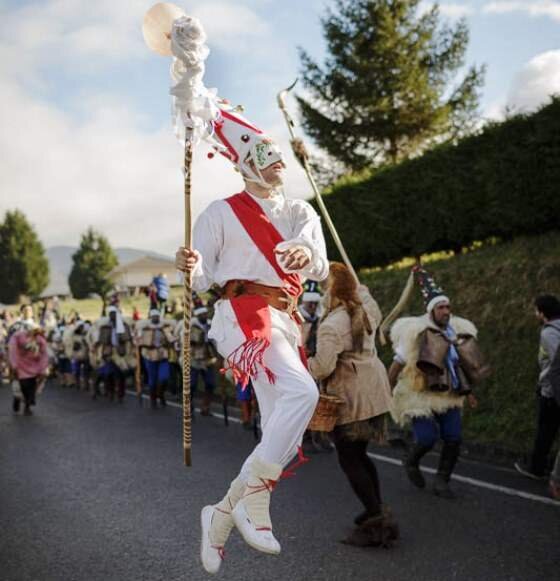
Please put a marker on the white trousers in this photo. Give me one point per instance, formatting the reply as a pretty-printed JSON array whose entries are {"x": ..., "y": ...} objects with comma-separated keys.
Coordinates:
[{"x": 286, "y": 406}]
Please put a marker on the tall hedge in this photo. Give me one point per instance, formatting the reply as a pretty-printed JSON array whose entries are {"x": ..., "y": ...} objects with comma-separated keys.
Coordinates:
[{"x": 503, "y": 182}]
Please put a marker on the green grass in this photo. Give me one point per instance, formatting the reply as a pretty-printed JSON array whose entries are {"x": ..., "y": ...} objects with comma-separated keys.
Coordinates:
[
  {"x": 91, "y": 308},
  {"x": 494, "y": 286}
]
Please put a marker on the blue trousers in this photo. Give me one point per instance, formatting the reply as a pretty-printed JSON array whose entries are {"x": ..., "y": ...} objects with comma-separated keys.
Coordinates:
[
  {"x": 208, "y": 377},
  {"x": 158, "y": 373},
  {"x": 446, "y": 426},
  {"x": 244, "y": 394}
]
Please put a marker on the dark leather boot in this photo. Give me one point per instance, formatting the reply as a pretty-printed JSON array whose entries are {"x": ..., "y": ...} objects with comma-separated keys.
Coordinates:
[
  {"x": 411, "y": 464},
  {"x": 390, "y": 523},
  {"x": 379, "y": 531},
  {"x": 367, "y": 534},
  {"x": 448, "y": 459}
]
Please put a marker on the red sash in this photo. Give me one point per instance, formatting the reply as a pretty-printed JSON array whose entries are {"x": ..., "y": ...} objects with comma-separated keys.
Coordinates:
[{"x": 252, "y": 312}]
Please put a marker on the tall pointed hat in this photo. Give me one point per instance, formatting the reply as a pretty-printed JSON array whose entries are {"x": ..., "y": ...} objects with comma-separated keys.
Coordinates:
[{"x": 432, "y": 294}]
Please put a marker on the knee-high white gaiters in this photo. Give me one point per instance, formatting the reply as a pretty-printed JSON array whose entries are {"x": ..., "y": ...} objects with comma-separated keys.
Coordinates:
[
  {"x": 216, "y": 522},
  {"x": 251, "y": 514}
]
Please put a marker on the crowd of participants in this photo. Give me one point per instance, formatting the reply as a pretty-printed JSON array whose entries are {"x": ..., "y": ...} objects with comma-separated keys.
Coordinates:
[
  {"x": 114, "y": 352},
  {"x": 104, "y": 356},
  {"x": 144, "y": 354}
]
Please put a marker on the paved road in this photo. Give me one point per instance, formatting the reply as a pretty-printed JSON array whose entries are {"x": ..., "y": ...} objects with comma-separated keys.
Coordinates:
[{"x": 94, "y": 491}]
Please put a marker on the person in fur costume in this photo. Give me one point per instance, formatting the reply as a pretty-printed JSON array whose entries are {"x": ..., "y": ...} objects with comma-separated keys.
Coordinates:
[
  {"x": 436, "y": 362},
  {"x": 347, "y": 364},
  {"x": 154, "y": 337},
  {"x": 111, "y": 351}
]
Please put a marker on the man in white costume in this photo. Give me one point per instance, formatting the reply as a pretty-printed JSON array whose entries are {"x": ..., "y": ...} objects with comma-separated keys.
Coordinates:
[{"x": 257, "y": 246}]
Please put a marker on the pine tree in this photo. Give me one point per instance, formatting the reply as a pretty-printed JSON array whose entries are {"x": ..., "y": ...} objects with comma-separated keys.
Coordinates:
[
  {"x": 389, "y": 87},
  {"x": 93, "y": 261},
  {"x": 24, "y": 268}
]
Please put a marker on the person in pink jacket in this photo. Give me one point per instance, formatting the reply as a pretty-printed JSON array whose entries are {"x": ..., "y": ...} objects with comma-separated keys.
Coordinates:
[{"x": 29, "y": 361}]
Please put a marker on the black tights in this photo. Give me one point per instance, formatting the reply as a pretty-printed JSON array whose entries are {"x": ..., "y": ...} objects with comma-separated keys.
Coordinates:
[
  {"x": 361, "y": 472},
  {"x": 28, "y": 390}
]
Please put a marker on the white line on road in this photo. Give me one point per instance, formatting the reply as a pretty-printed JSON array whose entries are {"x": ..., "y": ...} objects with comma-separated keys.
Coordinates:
[
  {"x": 396, "y": 462},
  {"x": 476, "y": 482},
  {"x": 180, "y": 406}
]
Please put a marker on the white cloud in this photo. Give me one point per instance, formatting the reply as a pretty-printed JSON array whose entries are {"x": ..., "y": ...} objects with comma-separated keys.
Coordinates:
[
  {"x": 75, "y": 32},
  {"x": 530, "y": 88},
  {"x": 450, "y": 10},
  {"x": 231, "y": 26},
  {"x": 534, "y": 8},
  {"x": 536, "y": 81},
  {"x": 455, "y": 10},
  {"x": 58, "y": 31}
]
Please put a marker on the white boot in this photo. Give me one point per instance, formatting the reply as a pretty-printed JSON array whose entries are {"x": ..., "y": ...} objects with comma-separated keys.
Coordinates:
[
  {"x": 216, "y": 523},
  {"x": 251, "y": 515}
]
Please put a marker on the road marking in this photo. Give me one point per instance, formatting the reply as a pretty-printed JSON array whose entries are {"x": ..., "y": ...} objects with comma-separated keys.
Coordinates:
[
  {"x": 465, "y": 479},
  {"x": 180, "y": 406},
  {"x": 476, "y": 482}
]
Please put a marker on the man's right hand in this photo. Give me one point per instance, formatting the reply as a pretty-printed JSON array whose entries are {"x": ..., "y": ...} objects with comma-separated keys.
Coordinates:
[{"x": 186, "y": 259}]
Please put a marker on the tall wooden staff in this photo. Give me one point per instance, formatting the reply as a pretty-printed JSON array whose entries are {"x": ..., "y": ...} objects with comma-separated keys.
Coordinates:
[
  {"x": 187, "y": 312},
  {"x": 302, "y": 156},
  {"x": 170, "y": 32},
  {"x": 138, "y": 375}
]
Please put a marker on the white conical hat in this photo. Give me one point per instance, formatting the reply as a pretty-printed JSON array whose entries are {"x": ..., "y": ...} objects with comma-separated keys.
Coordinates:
[
  {"x": 157, "y": 26},
  {"x": 240, "y": 141}
]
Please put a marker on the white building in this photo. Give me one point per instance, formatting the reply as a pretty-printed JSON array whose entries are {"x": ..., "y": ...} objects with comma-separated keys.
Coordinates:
[{"x": 140, "y": 272}]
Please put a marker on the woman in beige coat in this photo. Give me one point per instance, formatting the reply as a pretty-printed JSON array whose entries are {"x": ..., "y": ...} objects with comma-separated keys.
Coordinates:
[{"x": 347, "y": 365}]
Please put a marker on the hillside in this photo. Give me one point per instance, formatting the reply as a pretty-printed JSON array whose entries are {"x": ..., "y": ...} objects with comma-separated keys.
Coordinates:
[{"x": 494, "y": 287}]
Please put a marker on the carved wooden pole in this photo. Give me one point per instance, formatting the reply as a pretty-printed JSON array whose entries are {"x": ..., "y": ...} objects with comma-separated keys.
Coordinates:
[{"x": 187, "y": 299}]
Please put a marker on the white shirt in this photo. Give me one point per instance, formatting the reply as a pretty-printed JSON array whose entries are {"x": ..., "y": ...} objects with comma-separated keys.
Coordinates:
[{"x": 228, "y": 252}]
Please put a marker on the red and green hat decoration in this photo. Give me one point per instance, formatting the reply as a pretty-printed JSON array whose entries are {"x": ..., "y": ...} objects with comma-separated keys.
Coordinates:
[{"x": 432, "y": 294}]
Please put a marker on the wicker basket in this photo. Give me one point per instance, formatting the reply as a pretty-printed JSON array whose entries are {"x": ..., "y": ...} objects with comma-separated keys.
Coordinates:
[{"x": 326, "y": 412}]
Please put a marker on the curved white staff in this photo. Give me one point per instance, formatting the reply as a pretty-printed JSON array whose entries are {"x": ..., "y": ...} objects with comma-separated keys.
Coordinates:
[
  {"x": 302, "y": 156},
  {"x": 170, "y": 32}
]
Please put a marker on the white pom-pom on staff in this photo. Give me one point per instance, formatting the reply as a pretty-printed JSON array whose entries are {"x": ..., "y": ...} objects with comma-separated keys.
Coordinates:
[{"x": 170, "y": 32}]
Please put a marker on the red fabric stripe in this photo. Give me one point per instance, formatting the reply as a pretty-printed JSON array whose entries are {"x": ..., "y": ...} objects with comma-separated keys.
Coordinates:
[
  {"x": 251, "y": 311},
  {"x": 265, "y": 236}
]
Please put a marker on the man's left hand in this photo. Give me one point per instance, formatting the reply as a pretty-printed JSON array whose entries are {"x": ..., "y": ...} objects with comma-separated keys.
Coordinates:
[{"x": 295, "y": 258}]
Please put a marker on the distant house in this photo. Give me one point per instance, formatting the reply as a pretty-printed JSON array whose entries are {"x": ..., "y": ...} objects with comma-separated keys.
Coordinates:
[{"x": 139, "y": 272}]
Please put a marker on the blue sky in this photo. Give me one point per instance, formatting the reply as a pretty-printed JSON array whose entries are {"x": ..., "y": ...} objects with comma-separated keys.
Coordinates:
[{"x": 86, "y": 134}]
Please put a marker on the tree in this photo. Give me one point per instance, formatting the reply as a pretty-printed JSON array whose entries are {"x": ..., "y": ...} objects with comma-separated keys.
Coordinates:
[
  {"x": 24, "y": 268},
  {"x": 93, "y": 261},
  {"x": 389, "y": 87}
]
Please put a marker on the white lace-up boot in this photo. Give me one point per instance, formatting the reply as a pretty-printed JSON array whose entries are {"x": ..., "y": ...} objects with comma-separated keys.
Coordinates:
[
  {"x": 251, "y": 515},
  {"x": 216, "y": 522}
]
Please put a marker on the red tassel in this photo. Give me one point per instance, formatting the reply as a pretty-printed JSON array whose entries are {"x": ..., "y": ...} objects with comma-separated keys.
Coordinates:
[{"x": 244, "y": 362}]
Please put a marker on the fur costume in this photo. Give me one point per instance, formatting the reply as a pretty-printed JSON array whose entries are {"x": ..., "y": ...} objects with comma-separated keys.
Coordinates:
[
  {"x": 410, "y": 397},
  {"x": 100, "y": 353},
  {"x": 145, "y": 338}
]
